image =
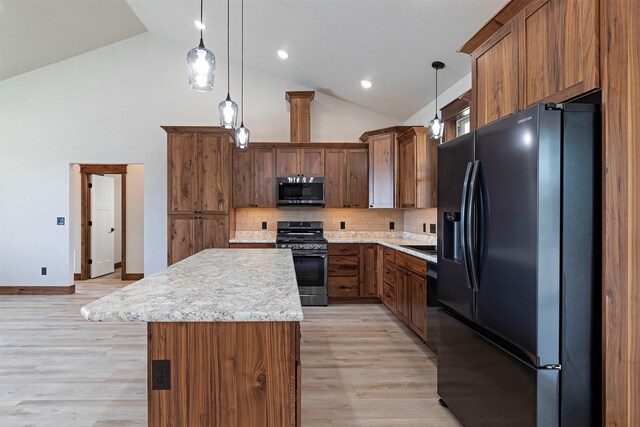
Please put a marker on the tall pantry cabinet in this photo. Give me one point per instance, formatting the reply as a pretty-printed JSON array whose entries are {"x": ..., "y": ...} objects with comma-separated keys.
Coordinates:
[{"x": 199, "y": 189}]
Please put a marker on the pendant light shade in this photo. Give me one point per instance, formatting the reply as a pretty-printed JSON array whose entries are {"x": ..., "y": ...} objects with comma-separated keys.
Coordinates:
[
  {"x": 242, "y": 136},
  {"x": 242, "y": 133},
  {"x": 201, "y": 65},
  {"x": 436, "y": 126},
  {"x": 228, "y": 108}
]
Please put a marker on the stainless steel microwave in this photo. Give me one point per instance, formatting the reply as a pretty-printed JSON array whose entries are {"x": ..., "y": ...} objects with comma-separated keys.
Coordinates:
[{"x": 300, "y": 190}]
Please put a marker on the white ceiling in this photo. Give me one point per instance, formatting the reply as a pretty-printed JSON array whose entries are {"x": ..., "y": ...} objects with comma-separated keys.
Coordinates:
[{"x": 332, "y": 44}]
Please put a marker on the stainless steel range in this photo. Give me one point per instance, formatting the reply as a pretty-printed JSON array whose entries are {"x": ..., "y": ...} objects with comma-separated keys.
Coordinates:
[{"x": 309, "y": 247}]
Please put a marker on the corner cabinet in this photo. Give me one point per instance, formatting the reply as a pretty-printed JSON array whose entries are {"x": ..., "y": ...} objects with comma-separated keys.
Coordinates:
[
  {"x": 254, "y": 178},
  {"x": 417, "y": 169},
  {"x": 199, "y": 189},
  {"x": 547, "y": 52}
]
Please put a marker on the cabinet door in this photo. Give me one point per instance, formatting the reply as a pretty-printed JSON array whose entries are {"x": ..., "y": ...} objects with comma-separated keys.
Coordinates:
[
  {"x": 183, "y": 172},
  {"x": 381, "y": 172},
  {"x": 357, "y": 178},
  {"x": 369, "y": 270},
  {"x": 560, "y": 48},
  {"x": 407, "y": 174},
  {"x": 495, "y": 77},
  {"x": 182, "y": 235},
  {"x": 287, "y": 163},
  {"x": 213, "y": 231},
  {"x": 312, "y": 161},
  {"x": 402, "y": 295},
  {"x": 264, "y": 168},
  {"x": 243, "y": 178},
  {"x": 215, "y": 172},
  {"x": 335, "y": 178},
  {"x": 418, "y": 312}
]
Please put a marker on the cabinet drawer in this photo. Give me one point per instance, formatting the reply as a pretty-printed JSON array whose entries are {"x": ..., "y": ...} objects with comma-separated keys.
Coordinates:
[
  {"x": 389, "y": 273},
  {"x": 344, "y": 249},
  {"x": 343, "y": 286},
  {"x": 389, "y": 296},
  {"x": 411, "y": 263},
  {"x": 344, "y": 266},
  {"x": 389, "y": 254},
  {"x": 252, "y": 245}
]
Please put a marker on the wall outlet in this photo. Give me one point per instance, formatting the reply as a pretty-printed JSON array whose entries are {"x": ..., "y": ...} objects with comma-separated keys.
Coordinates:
[
  {"x": 44, "y": 271},
  {"x": 60, "y": 220},
  {"x": 342, "y": 225},
  {"x": 424, "y": 227},
  {"x": 161, "y": 374},
  {"x": 264, "y": 225},
  {"x": 432, "y": 228},
  {"x": 392, "y": 225}
]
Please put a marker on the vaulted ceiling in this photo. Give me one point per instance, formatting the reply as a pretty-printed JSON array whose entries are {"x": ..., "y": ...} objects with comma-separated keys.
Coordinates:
[{"x": 332, "y": 44}]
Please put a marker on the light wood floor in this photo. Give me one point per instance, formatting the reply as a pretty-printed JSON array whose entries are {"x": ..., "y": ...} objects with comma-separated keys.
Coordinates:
[{"x": 361, "y": 367}]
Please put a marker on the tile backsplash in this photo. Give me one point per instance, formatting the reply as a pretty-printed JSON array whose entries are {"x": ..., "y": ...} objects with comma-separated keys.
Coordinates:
[{"x": 355, "y": 219}]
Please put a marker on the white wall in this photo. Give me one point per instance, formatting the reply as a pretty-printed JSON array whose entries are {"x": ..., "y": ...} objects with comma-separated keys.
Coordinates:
[
  {"x": 135, "y": 219},
  {"x": 107, "y": 106},
  {"x": 426, "y": 113}
]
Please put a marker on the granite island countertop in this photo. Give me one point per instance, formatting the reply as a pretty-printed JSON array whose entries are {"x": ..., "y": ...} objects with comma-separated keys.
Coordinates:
[
  {"x": 215, "y": 285},
  {"x": 393, "y": 240}
]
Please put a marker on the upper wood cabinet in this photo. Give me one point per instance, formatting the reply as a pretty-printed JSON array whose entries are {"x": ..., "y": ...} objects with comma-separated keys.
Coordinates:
[
  {"x": 545, "y": 52},
  {"x": 346, "y": 178},
  {"x": 417, "y": 169},
  {"x": 254, "y": 178},
  {"x": 495, "y": 77},
  {"x": 382, "y": 171},
  {"x": 199, "y": 172},
  {"x": 300, "y": 162}
]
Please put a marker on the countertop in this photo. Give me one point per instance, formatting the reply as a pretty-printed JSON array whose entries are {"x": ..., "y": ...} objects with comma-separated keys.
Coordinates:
[
  {"x": 393, "y": 240},
  {"x": 215, "y": 285}
]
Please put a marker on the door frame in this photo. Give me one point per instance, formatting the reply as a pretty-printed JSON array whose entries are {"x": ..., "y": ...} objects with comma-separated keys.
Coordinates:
[{"x": 85, "y": 214}]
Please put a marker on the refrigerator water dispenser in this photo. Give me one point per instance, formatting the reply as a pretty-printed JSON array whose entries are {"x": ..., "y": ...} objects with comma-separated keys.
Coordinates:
[{"x": 451, "y": 237}]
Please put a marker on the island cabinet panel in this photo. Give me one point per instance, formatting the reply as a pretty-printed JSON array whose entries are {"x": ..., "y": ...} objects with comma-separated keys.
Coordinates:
[
  {"x": 495, "y": 77},
  {"x": 189, "y": 235},
  {"x": 199, "y": 172},
  {"x": 225, "y": 374},
  {"x": 300, "y": 162},
  {"x": 418, "y": 163},
  {"x": 254, "y": 178}
]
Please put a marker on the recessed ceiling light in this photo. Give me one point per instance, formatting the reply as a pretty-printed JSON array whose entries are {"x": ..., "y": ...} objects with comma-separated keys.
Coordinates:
[
  {"x": 366, "y": 84},
  {"x": 282, "y": 54},
  {"x": 200, "y": 25}
]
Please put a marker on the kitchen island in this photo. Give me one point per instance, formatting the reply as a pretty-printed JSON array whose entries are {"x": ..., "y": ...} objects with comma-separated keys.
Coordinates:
[{"x": 223, "y": 338}]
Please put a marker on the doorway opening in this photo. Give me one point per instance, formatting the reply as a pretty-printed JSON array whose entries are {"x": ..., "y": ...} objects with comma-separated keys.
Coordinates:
[{"x": 108, "y": 221}]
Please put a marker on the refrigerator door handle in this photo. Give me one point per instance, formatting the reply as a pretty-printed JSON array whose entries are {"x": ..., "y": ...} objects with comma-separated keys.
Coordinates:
[
  {"x": 470, "y": 227},
  {"x": 463, "y": 221}
]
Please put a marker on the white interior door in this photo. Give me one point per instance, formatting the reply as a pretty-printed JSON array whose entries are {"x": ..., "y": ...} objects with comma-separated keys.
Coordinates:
[{"x": 102, "y": 226}]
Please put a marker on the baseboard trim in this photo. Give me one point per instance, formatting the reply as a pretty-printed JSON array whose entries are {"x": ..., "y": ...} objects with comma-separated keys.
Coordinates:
[
  {"x": 38, "y": 290},
  {"x": 354, "y": 300},
  {"x": 117, "y": 264},
  {"x": 77, "y": 276},
  {"x": 132, "y": 276}
]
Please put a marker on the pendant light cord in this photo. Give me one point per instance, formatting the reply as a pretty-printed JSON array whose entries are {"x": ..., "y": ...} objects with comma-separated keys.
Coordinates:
[
  {"x": 242, "y": 60},
  {"x": 201, "y": 21},
  {"x": 228, "y": 57},
  {"x": 436, "y": 92}
]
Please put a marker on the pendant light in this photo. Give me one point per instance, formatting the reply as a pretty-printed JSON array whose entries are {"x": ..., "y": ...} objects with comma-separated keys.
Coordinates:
[
  {"x": 201, "y": 64},
  {"x": 228, "y": 108},
  {"x": 242, "y": 133},
  {"x": 436, "y": 127}
]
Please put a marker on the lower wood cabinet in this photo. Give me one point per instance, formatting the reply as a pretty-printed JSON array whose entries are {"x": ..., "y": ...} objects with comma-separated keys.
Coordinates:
[
  {"x": 405, "y": 289},
  {"x": 189, "y": 234},
  {"x": 352, "y": 272},
  {"x": 252, "y": 245}
]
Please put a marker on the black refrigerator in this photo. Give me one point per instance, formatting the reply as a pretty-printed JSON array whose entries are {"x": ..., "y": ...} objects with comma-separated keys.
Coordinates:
[{"x": 519, "y": 259}]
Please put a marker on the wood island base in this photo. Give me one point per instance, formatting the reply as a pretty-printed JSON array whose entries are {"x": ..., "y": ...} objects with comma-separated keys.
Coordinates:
[{"x": 224, "y": 373}]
